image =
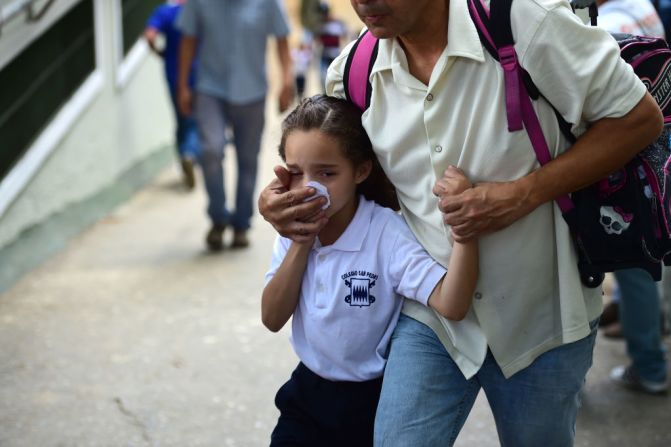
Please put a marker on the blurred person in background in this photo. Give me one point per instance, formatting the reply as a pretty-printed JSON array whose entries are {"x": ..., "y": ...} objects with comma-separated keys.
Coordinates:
[
  {"x": 302, "y": 59},
  {"x": 663, "y": 8},
  {"x": 331, "y": 33},
  {"x": 311, "y": 18},
  {"x": 229, "y": 95},
  {"x": 637, "y": 17},
  {"x": 162, "y": 23}
]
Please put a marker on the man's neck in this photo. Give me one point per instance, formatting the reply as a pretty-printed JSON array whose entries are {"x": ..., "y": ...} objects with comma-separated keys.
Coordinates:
[{"x": 424, "y": 45}]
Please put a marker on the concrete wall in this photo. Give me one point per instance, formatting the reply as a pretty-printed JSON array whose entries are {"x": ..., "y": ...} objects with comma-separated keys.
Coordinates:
[{"x": 120, "y": 138}]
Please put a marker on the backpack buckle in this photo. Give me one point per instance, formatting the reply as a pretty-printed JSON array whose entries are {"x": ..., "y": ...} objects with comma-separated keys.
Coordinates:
[
  {"x": 508, "y": 58},
  {"x": 511, "y": 74}
]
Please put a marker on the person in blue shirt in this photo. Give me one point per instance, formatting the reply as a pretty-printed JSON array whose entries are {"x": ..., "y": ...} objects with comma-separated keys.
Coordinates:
[{"x": 162, "y": 22}]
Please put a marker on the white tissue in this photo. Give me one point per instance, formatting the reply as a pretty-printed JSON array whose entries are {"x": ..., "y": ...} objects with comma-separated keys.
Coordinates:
[{"x": 321, "y": 191}]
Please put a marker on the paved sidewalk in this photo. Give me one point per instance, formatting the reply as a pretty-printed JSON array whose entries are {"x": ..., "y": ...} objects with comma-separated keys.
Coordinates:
[{"x": 135, "y": 336}]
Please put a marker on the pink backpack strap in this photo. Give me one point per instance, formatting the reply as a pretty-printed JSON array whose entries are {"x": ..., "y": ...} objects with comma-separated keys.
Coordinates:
[
  {"x": 504, "y": 53},
  {"x": 357, "y": 70},
  {"x": 496, "y": 35}
]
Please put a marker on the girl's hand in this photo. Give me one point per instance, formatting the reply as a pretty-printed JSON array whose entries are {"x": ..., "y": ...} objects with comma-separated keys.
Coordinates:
[
  {"x": 474, "y": 210},
  {"x": 453, "y": 182}
]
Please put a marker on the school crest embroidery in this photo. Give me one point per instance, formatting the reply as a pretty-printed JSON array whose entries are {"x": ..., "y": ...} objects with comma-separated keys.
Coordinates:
[{"x": 359, "y": 283}]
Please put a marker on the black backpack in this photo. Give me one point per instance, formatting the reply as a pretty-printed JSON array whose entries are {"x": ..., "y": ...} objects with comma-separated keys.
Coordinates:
[{"x": 623, "y": 220}]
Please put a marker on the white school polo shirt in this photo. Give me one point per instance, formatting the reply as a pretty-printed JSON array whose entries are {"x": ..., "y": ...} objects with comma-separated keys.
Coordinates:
[
  {"x": 529, "y": 297},
  {"x": 350, "y": 295}
]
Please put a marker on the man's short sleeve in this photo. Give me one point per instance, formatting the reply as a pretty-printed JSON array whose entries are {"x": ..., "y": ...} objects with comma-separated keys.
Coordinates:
[
  {"x": 577, "y": 68},
  {"x": 279, "y": 25},
  {"x": 187, "y": 20}
]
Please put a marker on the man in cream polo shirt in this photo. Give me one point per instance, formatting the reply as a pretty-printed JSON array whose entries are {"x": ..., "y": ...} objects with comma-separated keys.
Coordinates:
[{"x": 438, "y": 99}]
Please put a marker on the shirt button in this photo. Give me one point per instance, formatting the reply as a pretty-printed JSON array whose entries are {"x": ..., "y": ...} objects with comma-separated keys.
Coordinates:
[
  {"x": 438, "y": 148},
  {"x": 322, "y": 257},
  {"x": 478, "y": 295},
  {"x": 429, "y": 97}
]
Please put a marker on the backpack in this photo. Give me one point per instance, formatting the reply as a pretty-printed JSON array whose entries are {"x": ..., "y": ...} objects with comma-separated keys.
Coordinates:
[{"x": 621, "y": 221}]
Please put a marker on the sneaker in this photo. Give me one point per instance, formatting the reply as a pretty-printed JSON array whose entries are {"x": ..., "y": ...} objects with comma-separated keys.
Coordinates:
[
  {"x": 629, "y": 378},
  {"x": 215, "y": 237},
  {"x": 240, "y": 239},
  {"x": 188, "y": 172}
]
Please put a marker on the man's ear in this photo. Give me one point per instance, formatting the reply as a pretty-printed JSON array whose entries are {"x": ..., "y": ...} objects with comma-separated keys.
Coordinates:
[{"x": 363, "y": 171}]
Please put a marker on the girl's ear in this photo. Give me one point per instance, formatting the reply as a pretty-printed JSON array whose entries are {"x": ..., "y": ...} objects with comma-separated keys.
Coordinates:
[{"x": 363, "y": 171}]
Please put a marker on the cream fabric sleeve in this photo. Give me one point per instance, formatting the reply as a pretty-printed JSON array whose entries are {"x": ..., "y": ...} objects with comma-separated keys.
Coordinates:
[{"x": 576, "y": 67}]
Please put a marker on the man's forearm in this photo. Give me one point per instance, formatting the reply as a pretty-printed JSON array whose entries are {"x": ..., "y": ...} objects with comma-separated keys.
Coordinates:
[{"x": 608, "y": 145}]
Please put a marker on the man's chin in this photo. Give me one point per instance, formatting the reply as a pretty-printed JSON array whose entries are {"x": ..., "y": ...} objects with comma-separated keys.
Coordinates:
[{"x": 381, "y": 33}]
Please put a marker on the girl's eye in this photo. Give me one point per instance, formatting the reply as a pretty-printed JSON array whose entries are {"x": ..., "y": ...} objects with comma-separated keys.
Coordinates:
[
  {"x": 327, "y": 173},
  {"x": 295, "y": 174}
]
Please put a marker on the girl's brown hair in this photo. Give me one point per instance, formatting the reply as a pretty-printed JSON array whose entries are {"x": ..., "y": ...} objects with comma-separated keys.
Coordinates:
[{"x": 341, "y": 120}]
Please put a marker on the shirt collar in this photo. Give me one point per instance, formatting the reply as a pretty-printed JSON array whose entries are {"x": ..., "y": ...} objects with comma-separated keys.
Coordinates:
[
  {"x": 462, "y": 41},
  {"x": 353, "y": 237}
]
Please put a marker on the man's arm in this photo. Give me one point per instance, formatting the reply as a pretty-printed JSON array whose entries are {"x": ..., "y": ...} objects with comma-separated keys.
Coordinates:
[
  {"x": 606, "y": 146},
  {"x": 187, "y": 51},
  {"x": 287, "y": 89}
]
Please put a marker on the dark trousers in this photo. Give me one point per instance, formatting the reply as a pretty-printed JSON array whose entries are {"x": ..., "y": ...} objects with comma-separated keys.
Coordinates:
[{"x": 318, "y": 412}]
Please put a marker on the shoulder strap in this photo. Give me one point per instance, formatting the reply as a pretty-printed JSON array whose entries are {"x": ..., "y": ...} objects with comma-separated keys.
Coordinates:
[
  {"x": 358, "y": 67},
  {"x": 495, "y": 32},
  {"x": 485, "y": 27},
  {"x": 496, "y": 35}
]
